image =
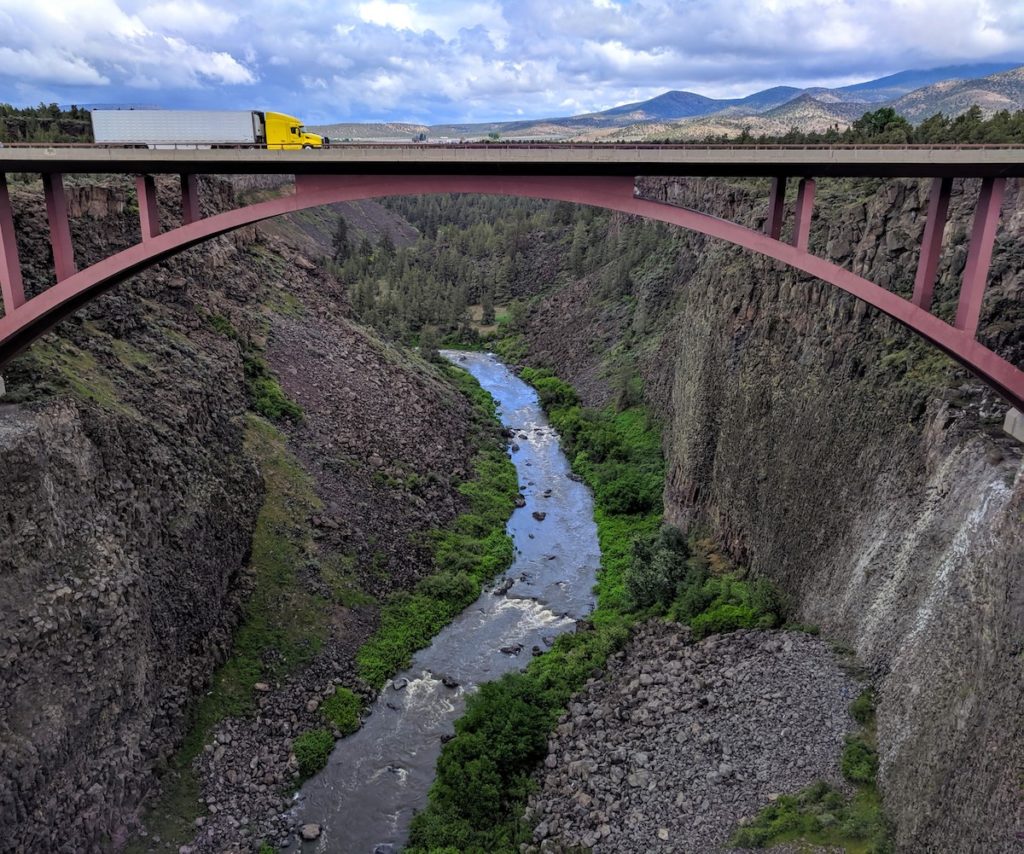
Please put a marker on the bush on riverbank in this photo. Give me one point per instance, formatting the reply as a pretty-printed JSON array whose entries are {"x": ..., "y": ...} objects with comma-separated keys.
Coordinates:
[{"x": 312, "y": 750}]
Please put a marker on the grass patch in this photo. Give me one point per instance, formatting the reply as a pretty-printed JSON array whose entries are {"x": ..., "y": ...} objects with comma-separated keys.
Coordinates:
[
  {"x": 265, "y": 394},
  {"x": 312, "y": 749},
  {"x": 820, "y": 814},
  {"x": 468, "y": 553},
  {"x": 53, "y": 366},
  {"x": 342, "y": 710}
]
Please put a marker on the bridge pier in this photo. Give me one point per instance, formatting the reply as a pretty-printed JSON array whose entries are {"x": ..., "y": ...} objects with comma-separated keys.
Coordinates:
[
  {"x": 979, "y": 255},
  {"x": 803, "y": 212},
  {"x": 776, "y": 208},
  {"x": 931, "y": 243},
  {"x": 60, "y": 226},
  {"x": 11, "y": 286},
  {"x": 189, "y": 200},
  {"x": 149, "y": 213}
]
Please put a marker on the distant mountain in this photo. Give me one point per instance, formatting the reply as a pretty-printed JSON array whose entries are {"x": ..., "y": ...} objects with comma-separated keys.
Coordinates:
[
  {"x": 807, "y": 109},
  {"x": 888, "y": 88},
  {"x": 1002, "y": 91},
  {"x": 916, "y": 94},
  {"x": 670, "y": 105}
]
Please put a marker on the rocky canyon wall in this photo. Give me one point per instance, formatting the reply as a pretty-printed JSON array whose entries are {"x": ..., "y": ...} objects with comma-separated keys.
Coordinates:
[
  {"x": 129, "y": 501},
  {"x": 864, "y": 472}
]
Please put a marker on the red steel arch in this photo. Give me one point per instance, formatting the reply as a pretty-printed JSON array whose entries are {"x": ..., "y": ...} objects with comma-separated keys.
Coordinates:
[{"x": 26, "y": 320}]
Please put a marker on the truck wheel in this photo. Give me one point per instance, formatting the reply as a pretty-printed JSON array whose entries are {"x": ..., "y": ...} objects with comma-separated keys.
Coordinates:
[{"x": 307, "y": 146}]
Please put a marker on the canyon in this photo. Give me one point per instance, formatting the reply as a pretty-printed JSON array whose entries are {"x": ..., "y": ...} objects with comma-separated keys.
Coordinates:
[{"x": 822, "y": 447}]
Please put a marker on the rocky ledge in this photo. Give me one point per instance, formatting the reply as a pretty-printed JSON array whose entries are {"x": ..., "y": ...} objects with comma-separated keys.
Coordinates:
[{"x": 680, "y": 741}]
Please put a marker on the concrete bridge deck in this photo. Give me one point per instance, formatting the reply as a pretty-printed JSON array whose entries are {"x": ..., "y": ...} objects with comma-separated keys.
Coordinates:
[{"x": 936, "y": 161}]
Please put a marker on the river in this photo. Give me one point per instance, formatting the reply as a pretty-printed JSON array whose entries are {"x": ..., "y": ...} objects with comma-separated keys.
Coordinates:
[{"x": 378, "y": 777}]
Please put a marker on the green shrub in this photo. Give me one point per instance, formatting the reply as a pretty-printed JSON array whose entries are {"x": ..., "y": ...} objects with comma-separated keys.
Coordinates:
[
  {"x": 863, "y": 708},
  {"x": 723, "y": 618},
  {"x": 657, "y": 569},
  {"x": 860, "y": 761},
  {"x": 342, "y": 709},
  {"x": 265, "y": 393},
  {"x": 629, "y": 494},
  {"x": 311, "y": 749},
  {"x": 823, "y": 816}
]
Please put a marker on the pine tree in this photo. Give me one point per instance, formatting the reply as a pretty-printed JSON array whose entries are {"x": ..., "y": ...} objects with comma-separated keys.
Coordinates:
[{"x": 342, "y": 246}]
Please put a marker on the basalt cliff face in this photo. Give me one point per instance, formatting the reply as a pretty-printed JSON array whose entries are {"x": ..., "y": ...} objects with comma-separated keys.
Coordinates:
[
  {"x": 830, "y": 451},
  {"x": 130, "y": 500}
]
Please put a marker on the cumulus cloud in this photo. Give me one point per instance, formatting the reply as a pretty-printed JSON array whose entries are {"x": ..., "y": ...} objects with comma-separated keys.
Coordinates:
[{"x": 444, "y": 60}]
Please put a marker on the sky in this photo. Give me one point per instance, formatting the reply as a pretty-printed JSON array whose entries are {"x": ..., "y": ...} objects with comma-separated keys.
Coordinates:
[{"x": 432, "y": 61}]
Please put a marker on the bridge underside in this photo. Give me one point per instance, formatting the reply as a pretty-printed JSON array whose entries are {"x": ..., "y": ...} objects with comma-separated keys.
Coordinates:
[{"x": 24, "y": 320}]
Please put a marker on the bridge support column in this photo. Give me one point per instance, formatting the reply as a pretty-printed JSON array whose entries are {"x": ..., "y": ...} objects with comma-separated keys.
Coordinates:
[
  {"x": 60, "y": 226},
  {"x": 931, "y": 242},
  {"x": 804, "y": 210},
  {"x": 189, "y": 199},
  {"x": 149, "y": 213},
  {"x": 979, "y": 255},
  {"x": 776, "y": 209},
  {"x": 10, "y": 266}
]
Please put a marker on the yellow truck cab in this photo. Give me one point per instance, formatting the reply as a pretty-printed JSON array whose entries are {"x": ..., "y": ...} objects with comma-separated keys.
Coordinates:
[{"x": 286, "y": 132}]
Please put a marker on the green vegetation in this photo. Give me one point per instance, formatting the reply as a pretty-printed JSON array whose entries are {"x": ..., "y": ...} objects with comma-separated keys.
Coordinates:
[
  {"x": 266, "y": 397},
  {"x": 469, "y": 552},
  {"x": 821, "y": 815},
  {"x": 342, "y": 710},
  {"x": 311, "y": 749},
  {"x": 56, "y": 366},
  {"x": 283, "y": 625},
  {"x": 863, "y": 708},
  {"x": 265, "y": 393},
  {"x": 860, "y": 761}
]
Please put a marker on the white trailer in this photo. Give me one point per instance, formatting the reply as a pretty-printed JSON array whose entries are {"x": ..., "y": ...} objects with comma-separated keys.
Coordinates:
[{"x": 168, "y": 128}]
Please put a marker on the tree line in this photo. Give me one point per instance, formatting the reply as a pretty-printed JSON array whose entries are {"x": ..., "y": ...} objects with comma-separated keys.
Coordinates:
[
  {"x": 45, "y": 123},
  {"x": 485, "y": 251}
]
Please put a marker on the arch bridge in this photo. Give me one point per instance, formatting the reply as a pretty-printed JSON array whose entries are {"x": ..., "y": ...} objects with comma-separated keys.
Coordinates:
[{"x": 600, "y": 175}]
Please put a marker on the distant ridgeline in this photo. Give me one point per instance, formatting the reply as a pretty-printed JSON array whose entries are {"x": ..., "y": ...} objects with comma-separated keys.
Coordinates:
[
  {"x": 45, "y": 123},
  {"x": 886, "y": 126}
]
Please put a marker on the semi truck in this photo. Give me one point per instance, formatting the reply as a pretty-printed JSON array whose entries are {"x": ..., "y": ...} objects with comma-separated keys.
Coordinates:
[{"x": 201, "y": 129}]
